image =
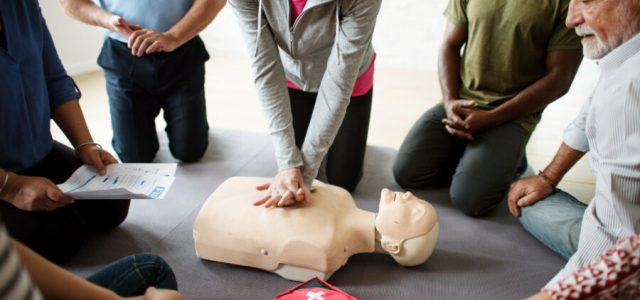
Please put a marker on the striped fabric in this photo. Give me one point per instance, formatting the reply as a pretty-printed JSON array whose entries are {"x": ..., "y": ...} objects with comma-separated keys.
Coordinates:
[
  {"x": 608, "y": 127},
  {"x": 15, "y": 283}
]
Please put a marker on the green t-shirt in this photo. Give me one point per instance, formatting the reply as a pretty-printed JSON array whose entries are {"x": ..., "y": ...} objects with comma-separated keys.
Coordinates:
[{"x": 507, "y": 45}]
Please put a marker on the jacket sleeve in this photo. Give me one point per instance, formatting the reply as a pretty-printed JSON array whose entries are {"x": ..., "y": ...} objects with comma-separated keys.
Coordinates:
[
  {"x": 60, "y": 86},
  {"x": 353, "y": 40},
  {"x": 269, "y": 77}
]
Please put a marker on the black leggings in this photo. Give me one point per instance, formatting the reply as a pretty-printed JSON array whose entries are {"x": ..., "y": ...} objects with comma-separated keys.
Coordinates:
[
  {"x": 345, "y": 159},
  {"x": 58, "y": 234}
]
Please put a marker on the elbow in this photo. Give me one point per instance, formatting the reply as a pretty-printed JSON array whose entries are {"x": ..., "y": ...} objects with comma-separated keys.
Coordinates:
[
  {"x": 217, "y": 5},
  {"x": 449, "y": 52},
  {"x": 220, "y": 4},
  {"x": 564, "y": 84},
  {"x": 68, "y": 7},
  {"x": 449, "y": 48},
  {"x": 562, "y": 81},
  {"x": 213, "y": 8}
]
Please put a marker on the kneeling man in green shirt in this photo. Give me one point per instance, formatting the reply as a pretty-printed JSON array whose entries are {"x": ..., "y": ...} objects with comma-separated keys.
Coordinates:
[{"x": 518, "y": 57}]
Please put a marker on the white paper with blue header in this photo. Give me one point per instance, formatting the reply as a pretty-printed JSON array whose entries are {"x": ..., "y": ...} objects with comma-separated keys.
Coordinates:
[{"x": 123, "y": 181}]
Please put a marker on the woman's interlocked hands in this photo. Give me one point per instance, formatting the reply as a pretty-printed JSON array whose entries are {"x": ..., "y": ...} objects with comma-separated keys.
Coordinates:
[{"x": 287, "y": 189}]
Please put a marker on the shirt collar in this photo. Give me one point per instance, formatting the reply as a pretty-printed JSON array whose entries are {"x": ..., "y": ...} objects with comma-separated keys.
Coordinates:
[{"x": 619, "y": 55}]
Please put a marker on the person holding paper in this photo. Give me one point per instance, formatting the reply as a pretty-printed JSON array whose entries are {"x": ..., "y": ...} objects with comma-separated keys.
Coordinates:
[{"x": 35, "y": 88}]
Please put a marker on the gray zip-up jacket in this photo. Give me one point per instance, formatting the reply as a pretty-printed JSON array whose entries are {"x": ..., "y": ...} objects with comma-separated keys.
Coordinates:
[{"x": 325, "y": 51}]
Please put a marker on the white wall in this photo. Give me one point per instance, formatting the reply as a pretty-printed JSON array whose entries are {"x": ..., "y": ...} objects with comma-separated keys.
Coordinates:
[
  {"x": 407, "y": 35},
  {"x": 78, "y": 44}
]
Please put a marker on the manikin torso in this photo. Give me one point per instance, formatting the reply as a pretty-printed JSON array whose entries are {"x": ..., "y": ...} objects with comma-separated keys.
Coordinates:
[{"x": 302, "y": 241}]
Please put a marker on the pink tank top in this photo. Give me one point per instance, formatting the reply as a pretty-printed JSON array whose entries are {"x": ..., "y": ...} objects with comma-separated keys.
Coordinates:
[{"x": 362, "y": 85}]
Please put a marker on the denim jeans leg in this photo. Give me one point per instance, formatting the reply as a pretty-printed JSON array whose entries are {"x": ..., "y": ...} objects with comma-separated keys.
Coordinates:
[
  {"x": 185, "y": 112},
  {"x": 132, "y": 275},
  {"x": 132, "y": 103},
  {"x": 556, "y": 222}
]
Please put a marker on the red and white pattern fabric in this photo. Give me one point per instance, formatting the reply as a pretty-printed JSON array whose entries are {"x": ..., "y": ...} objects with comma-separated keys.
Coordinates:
[
  {"x": 314, "y": 289},
  {"x": 614, "y": 275}
]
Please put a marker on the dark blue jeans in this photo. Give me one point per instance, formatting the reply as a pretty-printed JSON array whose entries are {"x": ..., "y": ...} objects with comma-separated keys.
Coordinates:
[
  {"x": 132, "y": 275},
  {"x": 140, "y": 87}
]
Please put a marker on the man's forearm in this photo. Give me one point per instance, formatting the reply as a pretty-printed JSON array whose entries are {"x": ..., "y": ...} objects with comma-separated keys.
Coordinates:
[
  {"x": 449, "y": 60},
  {"x": 562, "y": 67},
  {"x": 449, "y": 72},
  {"x": 201, "y": 13},
  {"x": 87, "y": 12},
  {"x": 562, "y": 162}
]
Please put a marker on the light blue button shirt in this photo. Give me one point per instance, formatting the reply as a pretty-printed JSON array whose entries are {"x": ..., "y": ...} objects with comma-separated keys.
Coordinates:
[
  {"x": 608, "y": 127},
  {"x": 159, "y": 15}
]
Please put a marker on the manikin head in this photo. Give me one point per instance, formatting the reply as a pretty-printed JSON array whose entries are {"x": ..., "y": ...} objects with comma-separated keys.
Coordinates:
[
  {"x": 408, "y": 227},
  {"x": 604, "y": 24}
]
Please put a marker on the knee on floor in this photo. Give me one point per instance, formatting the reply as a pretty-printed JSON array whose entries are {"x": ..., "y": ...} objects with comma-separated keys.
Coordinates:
[
  {"x": 407, "y": 177},
  {"x": 471, "y": 202},
  {"x": 189, "y": 152}
]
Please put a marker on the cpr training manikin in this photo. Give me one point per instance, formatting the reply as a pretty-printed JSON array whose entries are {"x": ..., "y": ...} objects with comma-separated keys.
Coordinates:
[{"x": 310, "y": 239}]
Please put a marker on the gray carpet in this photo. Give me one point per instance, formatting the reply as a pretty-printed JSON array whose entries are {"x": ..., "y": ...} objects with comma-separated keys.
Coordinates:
[{"x": 475, "y": 258}]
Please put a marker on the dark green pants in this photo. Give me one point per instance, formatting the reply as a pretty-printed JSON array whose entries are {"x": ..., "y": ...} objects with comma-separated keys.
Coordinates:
[
  {"x": 343, "y": 164},
  {"x": 479, "y": 172}
]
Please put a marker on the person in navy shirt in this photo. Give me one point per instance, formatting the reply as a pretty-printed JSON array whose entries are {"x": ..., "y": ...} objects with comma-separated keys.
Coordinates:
[{"x": 35, "y": 88}]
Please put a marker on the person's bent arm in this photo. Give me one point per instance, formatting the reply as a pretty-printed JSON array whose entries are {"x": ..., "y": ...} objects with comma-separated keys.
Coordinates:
[
  {"x": 70, "y": 119},
  {"x": 352, "y": 43},
  {"x": 529, "y": 190},
  {"x": 532, "y": 189},
  {"x": 449, "y": 61},
  {"x": 562, "y": 66},
  {"x": 449, "y": 77},
  {"x": 57, "y": 283},
  {"x": 88, "y": 12},
  {"x": 269, "y": 78}
]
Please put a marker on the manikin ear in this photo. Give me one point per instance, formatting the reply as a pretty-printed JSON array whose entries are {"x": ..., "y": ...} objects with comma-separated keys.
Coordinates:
[{"x": 391, "y": 246}]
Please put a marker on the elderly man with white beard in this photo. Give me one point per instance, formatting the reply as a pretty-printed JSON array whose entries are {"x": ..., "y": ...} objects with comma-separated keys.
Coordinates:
[{"x": 608, "y": 127}]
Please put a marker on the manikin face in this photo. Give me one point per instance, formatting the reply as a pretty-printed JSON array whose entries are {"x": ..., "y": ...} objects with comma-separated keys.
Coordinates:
[
  {"x": 603, "y": 24},
  {"x": 401, "y": 217}
]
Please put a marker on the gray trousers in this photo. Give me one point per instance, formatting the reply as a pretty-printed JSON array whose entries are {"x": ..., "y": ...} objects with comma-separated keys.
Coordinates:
[{"x": 479, "y": 172}]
